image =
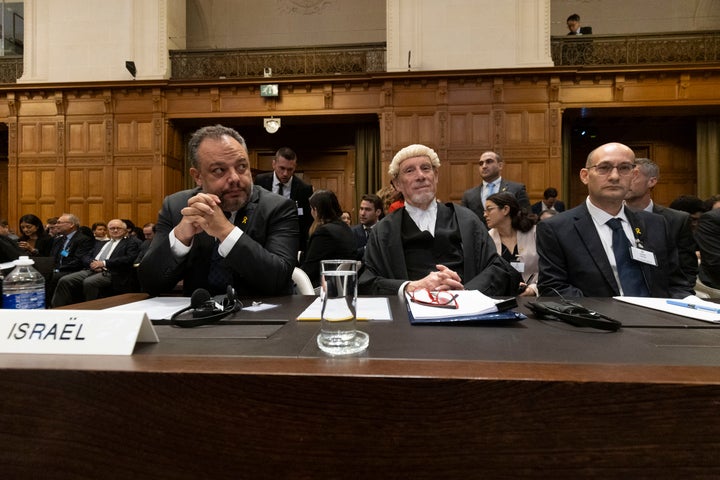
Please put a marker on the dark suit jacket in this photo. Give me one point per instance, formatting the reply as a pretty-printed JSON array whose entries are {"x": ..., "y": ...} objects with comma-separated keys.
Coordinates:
[
  {"x": 385, "y": 270},
  {"x": 360, "y": 240},
  {"x": 679, "y": 229},
  {"x": 79, "y": 250},
  {"x": 329, "y": 241},
  {"x": 261, "y": 261},
  {"x": 583, "y": 31},
  {"x": 707, "y": 236},
  {"x": 472, "y": 198},
  {"x": 9, "y": 250},
  {"x": 301, "y": 193},
  {"x": 537, "y": 207},
  {"x": 120, "y": 264},
  {"x": 573, "y": 262}
]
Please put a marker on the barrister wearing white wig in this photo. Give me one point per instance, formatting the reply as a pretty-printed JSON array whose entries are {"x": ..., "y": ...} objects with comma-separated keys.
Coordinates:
[{"x": 411, "y": 151}]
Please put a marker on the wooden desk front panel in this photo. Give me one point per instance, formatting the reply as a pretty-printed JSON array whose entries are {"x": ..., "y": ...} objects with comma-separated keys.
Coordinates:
[
  {"x": 83, "y": 424},
  {"x": 533, "y": 400}
]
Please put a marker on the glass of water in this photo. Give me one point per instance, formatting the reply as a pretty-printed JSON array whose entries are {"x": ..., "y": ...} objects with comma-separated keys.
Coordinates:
[{"x": 338, "y": 292}]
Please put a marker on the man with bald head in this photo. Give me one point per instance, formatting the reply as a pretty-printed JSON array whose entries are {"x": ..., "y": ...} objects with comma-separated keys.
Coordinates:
[
  {"x": 601, "y": 248},
  {"x": 109, "y": 268},
  {"x": 430, "y": 245}
]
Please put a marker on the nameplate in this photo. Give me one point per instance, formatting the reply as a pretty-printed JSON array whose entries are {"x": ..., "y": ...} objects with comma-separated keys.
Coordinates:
[{"x": 75, "y": 332}]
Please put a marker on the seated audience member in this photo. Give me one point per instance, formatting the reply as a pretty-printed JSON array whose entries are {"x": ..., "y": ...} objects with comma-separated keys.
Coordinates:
[
  {"x": 254, "y": 250},
  {"x": 586, "y": 251},
  {"x": 85, "y": 230},
  {"x": 546, "y": 214},
  {"x": 330, "y": 237},
  {"x": 71, "y": 251},
  {"x": 392, "y": 199},
  {"x": 712, "y": 203},
  {"x": 9, "y": 250},
  {"x": 346, "y": 217},
  {"x": 514, "y": 236},
  {"x": 491, "y": 165},
  {"x": 100, "y": 231},
  {"x": 50, "y": 226},
  {"x": 5, "y": 231},
  {"x": 148, "y": 232},
  {"x": 110, "y": 269},
  {"x": 430, "y": 245},
  {"x": 573, "y": 24},
  {"x": 707, "y": 236},
  {"x": 34, "y": 240},
  {"x": 370, "y": 212},
  {"x": 690, "y": 204},
  {"x": 639, "y": 197},
  {"x": 549, "y": 202}
]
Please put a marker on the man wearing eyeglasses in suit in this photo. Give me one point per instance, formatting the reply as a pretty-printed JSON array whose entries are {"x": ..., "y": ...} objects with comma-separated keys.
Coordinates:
[{"x": 585, "y": 251}]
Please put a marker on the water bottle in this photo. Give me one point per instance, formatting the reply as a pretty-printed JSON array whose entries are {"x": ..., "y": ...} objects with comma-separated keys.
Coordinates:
[{"x": 24, "y": 287}]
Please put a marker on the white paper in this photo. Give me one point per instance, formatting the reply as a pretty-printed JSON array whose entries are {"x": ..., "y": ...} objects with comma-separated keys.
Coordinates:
[
  {"x": 469, "y": 302},
  {"x": 663, "y": 305},
  {"x": 157, "y": 308},
  {"x": 368, "y": 308}
]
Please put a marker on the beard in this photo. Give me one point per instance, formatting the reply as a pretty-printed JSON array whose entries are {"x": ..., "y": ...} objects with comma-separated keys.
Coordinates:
[
  {"x": 234, "y": 200},
  {"x": 421, "y": 200}
]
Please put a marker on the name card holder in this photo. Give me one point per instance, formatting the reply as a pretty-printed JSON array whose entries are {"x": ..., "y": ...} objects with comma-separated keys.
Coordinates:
[{"x": 74, "y": 332}]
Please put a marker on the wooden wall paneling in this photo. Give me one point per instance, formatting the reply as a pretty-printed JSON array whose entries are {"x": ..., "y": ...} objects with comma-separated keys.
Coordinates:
[
  {"x": 481, "y": 129},
  {"x": 98, "y": 191},
  {"x": 459, "y": 128},
  {"x": 427, "y": 131},
  {"x": 405, "y": 130},
  {"x": 456, "y": 176}
]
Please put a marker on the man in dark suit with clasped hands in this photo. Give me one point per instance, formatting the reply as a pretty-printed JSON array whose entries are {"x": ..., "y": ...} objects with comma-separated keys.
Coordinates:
[
  {"x": 490, "y": 166},
  {"x": 602, "y": 248},
  {"x": 226, "y": 231}
]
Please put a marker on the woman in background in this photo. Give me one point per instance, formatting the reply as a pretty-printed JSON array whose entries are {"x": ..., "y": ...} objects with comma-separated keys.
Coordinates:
[
  {"x": 514, "y": 236},
  {"x": 330, "y": 237},
  {"x": 346, "y": 217},
  {"x": 33, "y": 239}
]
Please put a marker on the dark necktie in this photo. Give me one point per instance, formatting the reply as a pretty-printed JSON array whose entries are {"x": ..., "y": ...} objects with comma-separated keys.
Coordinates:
[
  {"x": 367, "y": 231},
  {"x": 631, "y": 277},
  {"x": 219, "y": 276},
  {"x": 280, "y": 188}
]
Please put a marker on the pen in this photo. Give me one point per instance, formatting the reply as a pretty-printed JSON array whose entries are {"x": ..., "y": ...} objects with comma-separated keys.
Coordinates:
[
  {"x": 530, "y": 279},
  {"x": 693, "y": 306}
]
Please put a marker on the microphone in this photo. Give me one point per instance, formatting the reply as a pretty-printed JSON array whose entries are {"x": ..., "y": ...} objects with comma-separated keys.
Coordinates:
[
  {"x": 205, "y": 310},
  {"x": 199, "y": 297}
]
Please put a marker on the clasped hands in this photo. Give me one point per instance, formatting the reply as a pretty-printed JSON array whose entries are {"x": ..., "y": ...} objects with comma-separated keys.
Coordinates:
[
  {"x": 441, "y": 279},
  {"x": 97, "y": 266},
  {"x": 203, "y": 213}
]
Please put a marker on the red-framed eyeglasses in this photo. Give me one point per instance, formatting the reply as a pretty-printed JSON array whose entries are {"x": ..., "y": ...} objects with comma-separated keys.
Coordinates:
[{"x": 434, "y": 299}]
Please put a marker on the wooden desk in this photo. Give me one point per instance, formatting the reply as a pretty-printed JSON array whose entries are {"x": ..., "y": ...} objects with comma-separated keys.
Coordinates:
[{"x": 536, "y": 399}]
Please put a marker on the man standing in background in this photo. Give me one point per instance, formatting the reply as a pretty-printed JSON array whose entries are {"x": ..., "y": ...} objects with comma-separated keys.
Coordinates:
[
  {"x": 284, "y": 182},
  {"x": 491, "y": 165}
]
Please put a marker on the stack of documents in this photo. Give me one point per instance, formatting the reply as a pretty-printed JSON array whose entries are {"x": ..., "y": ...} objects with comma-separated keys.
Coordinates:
[{"x": 473, "y": 307}]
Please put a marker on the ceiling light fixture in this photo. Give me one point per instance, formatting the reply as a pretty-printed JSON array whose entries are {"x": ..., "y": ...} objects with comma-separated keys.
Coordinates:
[{"x": 271, "y": 124}]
